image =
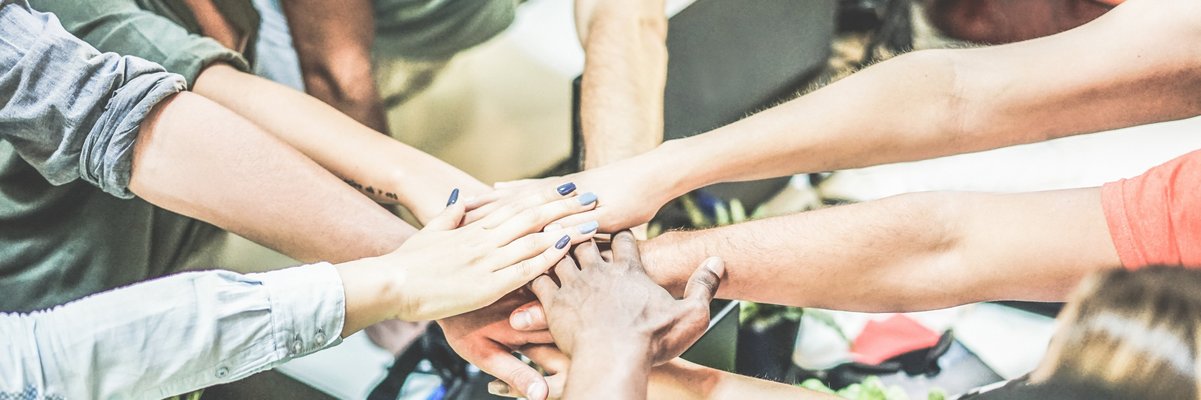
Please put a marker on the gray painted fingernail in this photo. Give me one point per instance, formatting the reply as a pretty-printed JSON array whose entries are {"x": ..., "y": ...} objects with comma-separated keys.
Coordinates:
[
  {"x": 588, "y": 228},
  {"x": 563, "y": 242},
  {"x": 587, "y": 198},
  {"x": 565, "y": 189},
  {"x": 454, "y": 197}
]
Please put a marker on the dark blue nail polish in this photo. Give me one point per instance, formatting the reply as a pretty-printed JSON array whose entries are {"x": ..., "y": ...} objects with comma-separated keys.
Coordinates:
[
  {"x": 587, "y": 198},
  {"x": 588, "y": 228},
  {"x": 565, "y": 189},
  {"x": 454, "y": 197},
  {"x": 563, "y": 242}
]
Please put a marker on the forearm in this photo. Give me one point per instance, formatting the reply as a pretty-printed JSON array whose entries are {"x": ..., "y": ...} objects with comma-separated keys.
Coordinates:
[
  {"x": 621, "y": 103},
  {"x": 940, "y": 102},
  {"x": 381, "y": 167},
  {"x": 907, "y": 253},
  {"x": 333, "y": 42},
  {"x": 198, "y": 159},
  {"x": 684, "y": 380},
  {"x": 619, "y": 372}
]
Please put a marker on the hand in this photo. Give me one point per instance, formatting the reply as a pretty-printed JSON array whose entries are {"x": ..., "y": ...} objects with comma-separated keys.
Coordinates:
[
  {"x": 484, "y": 338},
  {"x": 628, "y": 195},
  {"x": 551, "y": 360},
  {"x": 607, "y": 305},
  {"x": 449, "y": 271}
]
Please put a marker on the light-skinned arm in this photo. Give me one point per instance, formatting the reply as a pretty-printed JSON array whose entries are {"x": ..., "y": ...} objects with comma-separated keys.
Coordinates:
[
  {"x": 906, "y": 253},
  {"x": 375, "y": 164},
  {"x": 625, "y": 70},
  {"x": 934, "y": 103}
]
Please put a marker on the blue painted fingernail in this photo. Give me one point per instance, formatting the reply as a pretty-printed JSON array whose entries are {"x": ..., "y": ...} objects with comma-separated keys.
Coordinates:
[
  {"x": 454, "y": 197},
  {"x": 563, "y": 242},
  {"x": 588, "y": 228},
  {"x": 565, "y": 189},
  {"x": 587, "y": 198}
]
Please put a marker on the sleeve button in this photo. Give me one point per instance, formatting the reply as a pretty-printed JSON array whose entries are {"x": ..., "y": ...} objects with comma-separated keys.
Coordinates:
[
  {"x": 222, "y": 372},
  {"x": 320, "y": 337},
  {"x": 297, "y": 345}
]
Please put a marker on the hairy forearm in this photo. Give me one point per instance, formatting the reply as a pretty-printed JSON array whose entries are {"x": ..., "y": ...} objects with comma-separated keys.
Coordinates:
[
  {"x": 940, "y": 102},
  {"x": 618, "y": 372},
  {"x": 333, "y": 42},
  {"x": 377, "y": 165},
  {"x": 621, "y": 103},
  {"x": 199, "y": 159},
  {"x": 907, "y": 253}
]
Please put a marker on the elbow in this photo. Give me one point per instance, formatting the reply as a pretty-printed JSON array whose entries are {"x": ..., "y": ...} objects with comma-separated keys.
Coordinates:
[
  {"x": 341, "y": 79},
  {"x": 949, "y": 108}
]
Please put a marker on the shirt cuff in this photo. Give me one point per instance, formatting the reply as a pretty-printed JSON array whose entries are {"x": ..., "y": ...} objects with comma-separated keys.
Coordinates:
[
  {"x": 308, "y": 308},
  {"x": 106, "y": 159}
]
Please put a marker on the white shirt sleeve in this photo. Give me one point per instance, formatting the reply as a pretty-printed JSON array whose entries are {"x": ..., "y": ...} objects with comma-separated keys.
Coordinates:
[{"x": 171, "y": 335}]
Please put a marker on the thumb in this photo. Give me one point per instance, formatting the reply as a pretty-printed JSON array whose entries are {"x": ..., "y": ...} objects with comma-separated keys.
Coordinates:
[
  {"x": 448, "y": 219},
  {"x": 703, "y": 283},
  {"x": 504, "y": 366},
  {"x": 528, "y": 317}
]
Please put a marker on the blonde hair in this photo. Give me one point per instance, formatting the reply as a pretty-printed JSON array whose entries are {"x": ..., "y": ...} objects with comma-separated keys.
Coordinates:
[{"x": 1132, "y": 331}]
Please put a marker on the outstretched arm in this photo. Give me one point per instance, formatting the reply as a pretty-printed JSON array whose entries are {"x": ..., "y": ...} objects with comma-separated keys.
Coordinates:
[
  {"x": 906, "y": 253},
  {"x": 934, "y": 103},
  {"x": 381, "y": 167},
  {"x": 625, "y": 70}
]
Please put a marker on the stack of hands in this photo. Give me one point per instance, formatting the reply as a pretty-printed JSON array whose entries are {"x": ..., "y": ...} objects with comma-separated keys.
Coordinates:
[{"x": 511, "y": 282}]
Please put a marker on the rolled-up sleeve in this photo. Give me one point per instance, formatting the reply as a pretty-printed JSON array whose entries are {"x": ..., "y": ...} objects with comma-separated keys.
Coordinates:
[
  {"x": 171, "y": 335},
  {"x": 69, "y": 110}
]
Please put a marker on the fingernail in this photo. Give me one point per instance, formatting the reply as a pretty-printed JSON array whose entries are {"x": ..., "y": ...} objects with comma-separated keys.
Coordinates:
[
  {"x": 454, "y": 197},
  {"x": 535, "y": 391},
  {"x": 588, "y": 228},
  {"x": 498, "y": 388},
  {"x": 563, "y": 242},
  {"x": 587, "y": 198},
  {"x": 713, "y": 264},
  {"x": 552, "y": 228},
  {"x": 522, "y": 320},
  {"x": 565, "y": 189}
]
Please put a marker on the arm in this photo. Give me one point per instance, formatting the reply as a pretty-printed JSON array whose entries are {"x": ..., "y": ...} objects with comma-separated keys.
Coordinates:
[
  {"x": 193, "y": 330},
  {"x": 385, "y": 169},
  {"x": 333, "y": 42},
  {"x": 934, "y": 103},
  {"x": 907, "y": 253},
  {"x": 621, "y": 103},
  {"x": 129, "y": 131}
]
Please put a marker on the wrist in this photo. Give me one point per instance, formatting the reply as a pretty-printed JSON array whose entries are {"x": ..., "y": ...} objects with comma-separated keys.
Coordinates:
[
  {"x": 661, "y": 257},
  {"x": 617, "y": 351}
]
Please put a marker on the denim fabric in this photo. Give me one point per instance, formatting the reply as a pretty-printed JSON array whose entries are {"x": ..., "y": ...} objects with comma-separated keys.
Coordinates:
[
  {"x": 69, "y": 115},
  {"x": 172, "y": 335}
]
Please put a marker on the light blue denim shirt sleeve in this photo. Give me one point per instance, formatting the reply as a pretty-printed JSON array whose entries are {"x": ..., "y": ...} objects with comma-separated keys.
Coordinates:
[
  {"x": 172, "y": 335},
  {"x": 69, "y": 110}
]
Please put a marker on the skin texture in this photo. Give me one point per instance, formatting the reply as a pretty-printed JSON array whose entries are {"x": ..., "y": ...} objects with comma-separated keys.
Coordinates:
[
  {"x": 377, "y": 165},
  {"x": 259, "y": 182},
  {"x": 933, "y": 103},
  {"x": 883, "y": 256},
  {"x": 643, "y": 324},
  {"x": 447, "y": 269}
]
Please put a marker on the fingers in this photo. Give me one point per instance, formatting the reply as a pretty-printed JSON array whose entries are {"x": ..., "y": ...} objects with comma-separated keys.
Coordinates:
[
  {"x": 534, "y": 219},
  {"x": 529, "y": 317},
  {"x": 556, "y": 243},
  {"x": 567, "y": 271},
  {"x": 506, "y": 211},
  {"x": 500, "y": 363},
  {"x": 703, "y": 283},
  {"x": 544, "y": 289},
  {"x": 518, "y": 274},
  {"x": 448, "y": 219},
  {"x": 588, "y": 255},
  {"x": 576, "y": 219},
  {"x": 625, "y": 248},
  {"x": 551, "y": 360},
  {"x": 516, "y": 183}
]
